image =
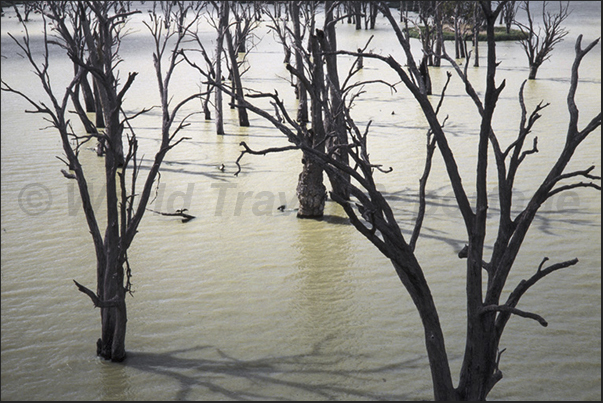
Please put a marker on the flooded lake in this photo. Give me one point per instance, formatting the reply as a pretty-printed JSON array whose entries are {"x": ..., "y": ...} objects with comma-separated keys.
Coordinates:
[{"x": 248, "y": 302}]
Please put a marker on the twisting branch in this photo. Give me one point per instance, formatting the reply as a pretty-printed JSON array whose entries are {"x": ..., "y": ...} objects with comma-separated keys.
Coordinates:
[
  {"x": 431, "y": 145},
  {"x": 523, "y": 287},
  {"x": 98, "y": 303},
  {"x": 248, "y": 150},
  {"x": 525, "y": 128},
  {"x": 510, "y": 310},
  {"x": 533, "y": 150},
  {"x": 572, "y": 132}
]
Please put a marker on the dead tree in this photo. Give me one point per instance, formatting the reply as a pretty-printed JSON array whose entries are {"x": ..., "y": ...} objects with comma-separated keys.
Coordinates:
[
  {"x": 439, "y": 36},
  {"x": 539, "y": 45},
  {"x": 28, "y": 7},
  {"x": 311, "y": 191},
  {"x": 477, "y": 22},
  {"x": 65, "y": 20},
  {"x": 210, "y": 68},
  {"x": 336, "y": 132},
  {"x": 279, "y": 28},
  {"x": 427, "y": 26},
  {"x": 222, "y": 9},
  {"x": 235, "y": 74},
  {"x": 125, "y": 202},
  {"x": 243, "y": 24},
  {"x": 298, "y": 50},
  {"x": 309, "y": 86},
  {"x": 369, "y": 11},
  {"x": 370, "y": 212},
  {"x": 356, "y": 8},
  {"x": 508, "y": 15}
]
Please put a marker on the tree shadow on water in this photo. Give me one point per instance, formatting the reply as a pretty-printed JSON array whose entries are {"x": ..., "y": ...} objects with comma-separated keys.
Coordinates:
[{"x": 310, "y": 376}]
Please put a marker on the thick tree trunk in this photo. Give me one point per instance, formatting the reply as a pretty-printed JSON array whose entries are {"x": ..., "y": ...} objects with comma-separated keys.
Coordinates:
[
  {"x": 111, "y": 345},
  {"x": 334, "y": 116},
  {"x": 533, "y": 71},
  {"x": 311, "y": 192},
  {"x": 478, "y": 374},
  {"x": 112, "y": 292}
]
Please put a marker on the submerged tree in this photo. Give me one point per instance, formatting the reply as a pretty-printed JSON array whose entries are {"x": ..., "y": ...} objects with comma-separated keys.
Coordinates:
[
  {"x": 539, "y": 45},
  {"x": 125, "y": 203},
  {"x": 370, "y": 213},
  {"x": 236, "y": 44},
  {"x": 507, "y": 16}
]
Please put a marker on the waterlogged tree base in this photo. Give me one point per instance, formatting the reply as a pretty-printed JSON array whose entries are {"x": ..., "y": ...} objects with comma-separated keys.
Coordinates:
[
  {"x": 311, "y": 192},
  {"x": 310, "y": 216},
  {"x": 107, "y": 354}
]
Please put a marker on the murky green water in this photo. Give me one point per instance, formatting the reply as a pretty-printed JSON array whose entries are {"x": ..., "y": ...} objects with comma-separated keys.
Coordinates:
[{"x": 246, "y": 302}]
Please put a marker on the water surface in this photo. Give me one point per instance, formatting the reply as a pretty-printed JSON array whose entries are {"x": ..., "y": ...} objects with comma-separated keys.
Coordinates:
[{"x": 246, "y": 302}]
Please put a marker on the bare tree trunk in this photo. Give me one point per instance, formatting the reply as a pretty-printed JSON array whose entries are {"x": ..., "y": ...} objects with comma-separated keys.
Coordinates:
[
  {"x": 457, "y": 34},
  {"x": 205, "y": 103},
  {"x": 236, "y": 79},
  {"x": 75, "y": 99},
  {"x": 476, "y": 24},
  {"x": 357, "y": 13},
  {"x": 88, "y": 94},
  {"x": 533, "y": 71},
  {"x": 302, "y": 94},
  {"x": 439, "y": 35},
  {"x": 426, "y": 79},
  {"x": 311, "y": 191},
  {"x": 335, "y": 119},
  {"x": 222, "y": 27},
  {"x": 373, "y": 14}
]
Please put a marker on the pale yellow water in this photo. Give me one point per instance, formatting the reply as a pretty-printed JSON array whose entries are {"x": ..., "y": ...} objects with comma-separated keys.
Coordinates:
[{"x": 246, "y": 302}]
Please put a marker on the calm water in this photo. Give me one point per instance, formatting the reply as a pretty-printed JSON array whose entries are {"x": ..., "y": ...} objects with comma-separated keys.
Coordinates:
[{"x": 246, "y": 302}]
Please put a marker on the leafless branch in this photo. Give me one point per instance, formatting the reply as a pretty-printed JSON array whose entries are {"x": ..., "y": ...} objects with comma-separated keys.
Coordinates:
[
  {"x": 573, "y": 186},
  {"x": 98, "y": 303},
  {"x": 511, "y": 310},
  {"x": 247, "y": 150},
  {"x": 525, "y": 285}
]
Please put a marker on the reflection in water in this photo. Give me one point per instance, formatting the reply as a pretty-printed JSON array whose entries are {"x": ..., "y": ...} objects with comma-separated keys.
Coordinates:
[
  {"x": 324, "y": 292},
  {"x": 115, "y": 382},
  {"x": 207, "y": 373}
]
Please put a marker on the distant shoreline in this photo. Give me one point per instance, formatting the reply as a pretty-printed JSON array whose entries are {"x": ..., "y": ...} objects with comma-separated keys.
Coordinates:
[{"x": 500, "y": 34}]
